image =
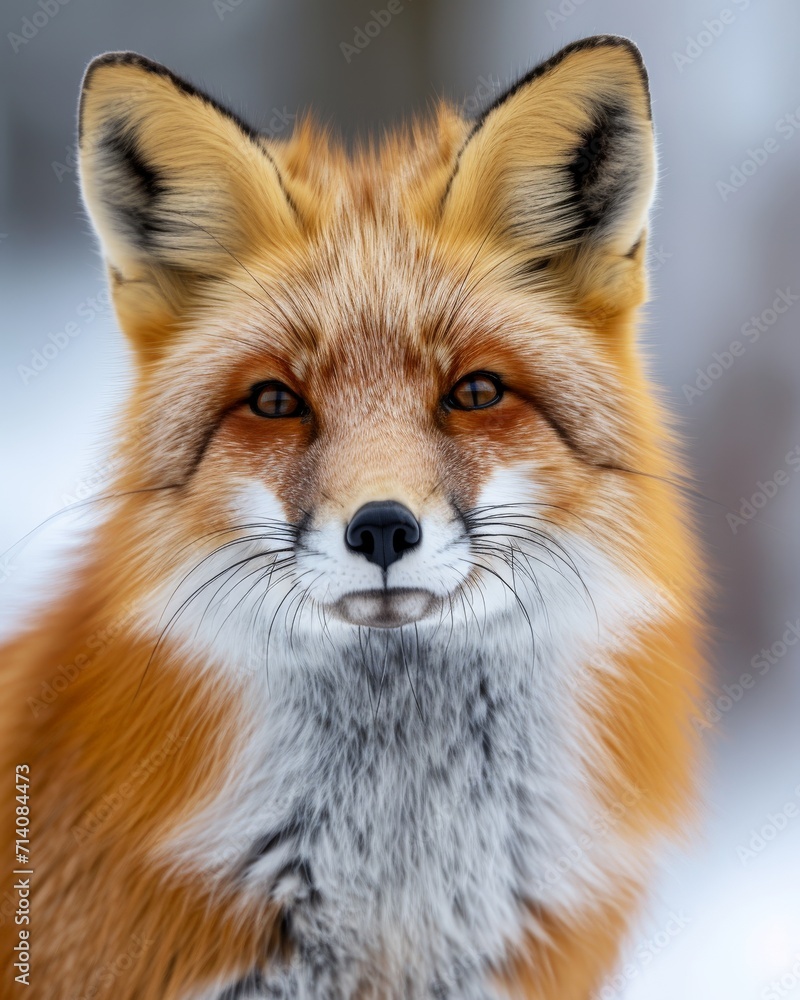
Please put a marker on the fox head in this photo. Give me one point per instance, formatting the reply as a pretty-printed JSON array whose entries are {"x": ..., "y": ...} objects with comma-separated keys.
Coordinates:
[{"x": 390, "y": 387}]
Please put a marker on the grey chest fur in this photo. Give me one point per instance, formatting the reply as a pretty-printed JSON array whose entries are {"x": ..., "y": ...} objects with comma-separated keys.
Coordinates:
[{"x": 406, "y": 800}]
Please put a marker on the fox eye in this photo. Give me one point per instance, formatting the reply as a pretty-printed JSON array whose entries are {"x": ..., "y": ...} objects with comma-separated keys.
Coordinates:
[
  {"x": 475, "y": 392},
  {"x": 275, "y": 399}
]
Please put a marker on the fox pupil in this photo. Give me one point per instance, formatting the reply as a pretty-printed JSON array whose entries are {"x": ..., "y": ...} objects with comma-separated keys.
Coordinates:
[
  {"x": 476, "y": 391},
  {"x": 274, "y": 399}
]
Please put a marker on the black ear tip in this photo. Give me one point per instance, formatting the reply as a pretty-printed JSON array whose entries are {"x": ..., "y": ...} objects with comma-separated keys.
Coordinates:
[
  {"x": 581, "y": 45},
  {"x": 614, "y": 41},
  {"x": 594, "y": 41},
  {"x": 120, "y": 59},
  {"x": 604, "y": 41},
  {"x": 155, "y": 69},
  {"x": 610, "y": 41},
  {"x": 113, "y": 59}
]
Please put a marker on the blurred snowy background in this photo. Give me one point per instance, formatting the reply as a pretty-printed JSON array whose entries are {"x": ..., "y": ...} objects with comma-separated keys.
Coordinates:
[{"x": 724, "y": 923}]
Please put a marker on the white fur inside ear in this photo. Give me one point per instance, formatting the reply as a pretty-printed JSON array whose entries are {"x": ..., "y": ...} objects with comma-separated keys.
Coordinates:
[
  {"x": 155, "y": 169},
  {"x": 565, "y": 159}
]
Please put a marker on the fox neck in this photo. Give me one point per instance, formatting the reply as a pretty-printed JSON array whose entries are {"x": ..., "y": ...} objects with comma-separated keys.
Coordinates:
[
  {"x": 413, "y": 772},
  {"x": 407, "y": 798}
]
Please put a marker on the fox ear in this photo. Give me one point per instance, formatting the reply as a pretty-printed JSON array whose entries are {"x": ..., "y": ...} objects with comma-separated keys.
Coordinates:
[
  {"x": 560, "y": 171},
  {"x": 176, "y": 186}
]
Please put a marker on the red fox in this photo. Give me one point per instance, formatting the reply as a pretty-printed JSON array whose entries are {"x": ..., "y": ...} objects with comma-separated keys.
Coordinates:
[{"x": 376, "y": 678}]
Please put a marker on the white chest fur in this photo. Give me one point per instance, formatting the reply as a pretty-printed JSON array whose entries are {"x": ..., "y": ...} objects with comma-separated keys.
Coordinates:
[
  {"x": 406, "y": 802},
  {"x": 411, "y": 796}
]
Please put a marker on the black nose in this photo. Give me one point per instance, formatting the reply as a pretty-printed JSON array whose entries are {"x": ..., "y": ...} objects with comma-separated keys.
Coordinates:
[{"x": 382, "y": 531}]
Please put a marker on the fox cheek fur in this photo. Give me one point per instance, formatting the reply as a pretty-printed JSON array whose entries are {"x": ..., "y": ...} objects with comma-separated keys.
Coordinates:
[{"x": 376, "y": 679}]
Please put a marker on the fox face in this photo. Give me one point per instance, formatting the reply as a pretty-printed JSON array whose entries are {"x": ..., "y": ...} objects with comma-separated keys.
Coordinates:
[
  {"x": 399, "y": 540},
  {"x": 386, "y": 367}
]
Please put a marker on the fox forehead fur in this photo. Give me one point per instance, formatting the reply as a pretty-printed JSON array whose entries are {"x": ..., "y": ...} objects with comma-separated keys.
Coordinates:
[{"x": 441, "y": 776}]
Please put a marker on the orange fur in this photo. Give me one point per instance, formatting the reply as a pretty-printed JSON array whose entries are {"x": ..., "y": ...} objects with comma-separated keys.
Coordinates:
[{"x": 332, "y": 255}]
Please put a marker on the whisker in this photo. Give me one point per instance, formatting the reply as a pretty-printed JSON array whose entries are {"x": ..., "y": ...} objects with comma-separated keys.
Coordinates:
[
  {"x": 464, "y": 601},
  {"x": 305, "y": 595},
  {"x": 519, "y": 601},
  {"x": 78, "y": 504},
  {"x": 383, "y": 675},
  {"x": 408, "y": 675},
  {"x": 280, "y": 605},
  {"x": 546, "y": 541},
  {"x": 363, "y": 651},
  {"x": 260, "y": 573},
  {"x": 185, "y": 604}
]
